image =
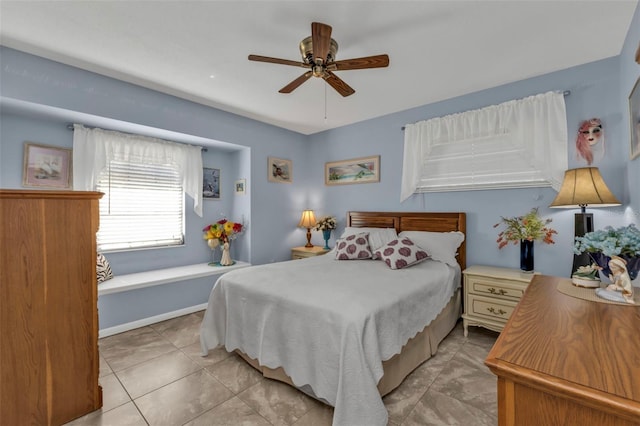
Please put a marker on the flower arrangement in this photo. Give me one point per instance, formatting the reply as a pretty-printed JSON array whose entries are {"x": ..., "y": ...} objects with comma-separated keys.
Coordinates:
[
  {"x": 610, "y": 242},
  {"x": 326, "y": 223},
  {"x": 528, "y": 227},
  {"x": 221, "y": 232},
  {"x": 588, "y": 272}
]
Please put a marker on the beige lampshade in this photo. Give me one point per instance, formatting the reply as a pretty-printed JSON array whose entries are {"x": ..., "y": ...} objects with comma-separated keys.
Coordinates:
[
  {"x": 584, "y": 187},
  {"x": 308, "y": 219}
]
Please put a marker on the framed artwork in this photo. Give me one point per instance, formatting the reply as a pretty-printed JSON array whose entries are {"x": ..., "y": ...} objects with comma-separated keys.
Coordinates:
[
  {"x": 241, "y": 186},
  {"x": 46, "y": 166},
  {"x": 357, "y": 170},
  {"x": 634, "y": 119},
  {"x": 279, "y": 170},
  {"x": 210, "y": 183}
]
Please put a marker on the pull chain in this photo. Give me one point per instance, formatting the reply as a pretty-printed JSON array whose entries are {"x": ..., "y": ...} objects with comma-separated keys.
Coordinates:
[{"x": 325, "y": 103}]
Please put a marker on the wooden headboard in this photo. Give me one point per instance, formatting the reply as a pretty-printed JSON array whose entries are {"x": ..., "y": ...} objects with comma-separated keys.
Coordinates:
[{"x": 415, "y": 221}]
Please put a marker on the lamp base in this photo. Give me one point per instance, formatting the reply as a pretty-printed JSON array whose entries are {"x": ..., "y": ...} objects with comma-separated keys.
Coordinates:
[
  {"x": 583, "y": 224},
  {"x": 308, "y": 238}
]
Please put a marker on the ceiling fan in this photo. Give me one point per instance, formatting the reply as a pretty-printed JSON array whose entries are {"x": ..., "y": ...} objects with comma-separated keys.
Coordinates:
[{"x": 319, "y": 56}]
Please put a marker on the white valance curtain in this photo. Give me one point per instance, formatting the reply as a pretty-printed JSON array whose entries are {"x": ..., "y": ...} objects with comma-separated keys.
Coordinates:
[
  {"x": 518, "y": 143},
  {"x": 93, "y": 149}
]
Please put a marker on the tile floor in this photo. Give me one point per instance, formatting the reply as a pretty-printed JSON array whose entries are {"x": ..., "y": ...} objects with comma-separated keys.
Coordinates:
[{"x": 155, "y": 376}]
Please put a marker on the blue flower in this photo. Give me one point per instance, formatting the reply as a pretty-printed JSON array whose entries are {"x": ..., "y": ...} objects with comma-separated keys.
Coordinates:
[{"x": 611, "y": 242}]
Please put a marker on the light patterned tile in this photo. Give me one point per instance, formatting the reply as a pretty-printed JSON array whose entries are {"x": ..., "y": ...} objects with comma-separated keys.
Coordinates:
[
  {"x": 113, "y": 394},
  {"x": 232, "y": 412},
  {"x": 402, "y": 399},
  {"x": 133, "y": 347},
  {"x": 235, "y": 374},
  {"x": 182, "y": 400},
  {"x": 436, "y": 409},
  {"x": 181, "y": 331},
  {"x": 194, "y": 351},
  {"x": 320, "y": 415},
  {"x": 467, "y": 379},
  {"x": 125, "y": 415},
  {"x": 105, "y": 370},
  {"x": 279, "y": 403},
  {"x": 150, "y": 375}
]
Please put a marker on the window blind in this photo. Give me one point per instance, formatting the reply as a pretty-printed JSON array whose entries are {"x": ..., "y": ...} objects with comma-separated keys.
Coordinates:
[
  {"x": 519, "y": 143},
  {"x": 142, "y": 206}
]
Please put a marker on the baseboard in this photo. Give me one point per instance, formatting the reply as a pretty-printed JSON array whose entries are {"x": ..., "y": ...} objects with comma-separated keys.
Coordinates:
[{"x": 105, "y": 332}]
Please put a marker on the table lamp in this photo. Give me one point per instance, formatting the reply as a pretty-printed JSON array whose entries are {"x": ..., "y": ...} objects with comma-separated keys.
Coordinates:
[
  {"x": 308, "y": 220},
  {"x": 581, "y": 188}
]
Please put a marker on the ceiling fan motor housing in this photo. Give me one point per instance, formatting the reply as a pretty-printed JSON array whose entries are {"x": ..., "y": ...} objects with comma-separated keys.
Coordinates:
[{"x": 306, "y": 50}]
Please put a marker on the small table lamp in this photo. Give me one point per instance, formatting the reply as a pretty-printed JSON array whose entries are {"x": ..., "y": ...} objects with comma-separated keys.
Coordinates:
[
  {"x": 308, "y": 220},
  {"x": 581, "y": 188}
]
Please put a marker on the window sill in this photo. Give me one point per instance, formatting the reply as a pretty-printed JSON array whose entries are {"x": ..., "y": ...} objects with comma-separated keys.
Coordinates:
[{"x": 156, "y": 277}]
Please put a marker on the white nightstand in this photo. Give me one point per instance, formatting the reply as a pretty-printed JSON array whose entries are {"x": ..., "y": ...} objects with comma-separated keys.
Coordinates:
[
  {"x": 304, "y": 252},
  {"x": 491, "y": 294}
]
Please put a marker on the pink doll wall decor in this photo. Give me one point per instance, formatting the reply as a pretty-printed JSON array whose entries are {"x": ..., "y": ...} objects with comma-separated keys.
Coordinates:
[{"x": 590, "y": 133}]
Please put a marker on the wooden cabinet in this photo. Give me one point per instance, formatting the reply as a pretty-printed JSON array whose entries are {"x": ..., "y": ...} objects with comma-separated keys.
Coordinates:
[
  {"x": 303, "y": 252},
  {"x": 48, "y": 306},
  {"x": 491, "y": 294},
  {"x": 567, "y": 361}
]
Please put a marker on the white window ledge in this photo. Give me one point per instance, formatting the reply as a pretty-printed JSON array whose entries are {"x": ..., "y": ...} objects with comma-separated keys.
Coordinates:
[{"x": 138, "y": 280}]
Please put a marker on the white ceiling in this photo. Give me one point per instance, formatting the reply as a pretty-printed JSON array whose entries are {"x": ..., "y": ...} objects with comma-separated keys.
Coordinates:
[{"x": 198, "y": 50}]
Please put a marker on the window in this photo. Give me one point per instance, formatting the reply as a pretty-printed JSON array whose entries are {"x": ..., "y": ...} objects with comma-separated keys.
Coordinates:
[
  {"x": 516, "y": 144},
  {"x": 142, "y": 206},
  {"x": 144, "y": 181}
]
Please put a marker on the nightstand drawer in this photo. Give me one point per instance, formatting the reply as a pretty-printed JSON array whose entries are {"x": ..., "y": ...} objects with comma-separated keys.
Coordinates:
[
  {"x": 490, "y": 308},
  {"x": 496, "y": 288}
]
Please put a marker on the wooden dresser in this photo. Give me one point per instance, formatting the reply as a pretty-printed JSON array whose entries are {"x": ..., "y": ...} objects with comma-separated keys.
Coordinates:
[
  {"x": 49, "y": 361},
  {"x": 561, "y": 360}
]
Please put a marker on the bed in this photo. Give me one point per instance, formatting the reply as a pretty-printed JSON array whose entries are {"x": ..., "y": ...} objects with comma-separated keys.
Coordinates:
[{"x": 345, "y": 332}]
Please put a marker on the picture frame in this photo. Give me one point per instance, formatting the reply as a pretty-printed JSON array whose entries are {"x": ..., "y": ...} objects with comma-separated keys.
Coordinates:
[
  {"x": 241, "y": 186},
  {"x": 47, "y": 166},
  {"x": 210, "y": 183},
  {"x": 279, "y": 170},
  {"x": 355, "y": 170},
  {"x": 634, "y": 120}
]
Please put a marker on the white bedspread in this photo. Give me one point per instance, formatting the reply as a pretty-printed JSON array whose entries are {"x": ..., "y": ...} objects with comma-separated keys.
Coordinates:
[{"x": 328, "y": 323}]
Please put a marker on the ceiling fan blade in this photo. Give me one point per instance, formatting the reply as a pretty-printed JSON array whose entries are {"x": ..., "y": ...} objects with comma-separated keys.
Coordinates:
[
  {"x": 277, "y": 61},
  {"x": 378, "y": 61},
  {"x": 296, "y": 83},
  {"x": 337, "y": 83},
  {"x": 321, "y": 39}
]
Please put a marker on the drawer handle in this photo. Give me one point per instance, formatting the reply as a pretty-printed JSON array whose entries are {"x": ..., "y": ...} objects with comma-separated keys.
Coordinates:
[
  {"x": 494, "y": 291},
  {"x": 498, "y": 312}
]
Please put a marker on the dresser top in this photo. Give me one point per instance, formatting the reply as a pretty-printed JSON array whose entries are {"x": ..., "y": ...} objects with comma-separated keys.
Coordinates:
[
  {"x": 570, "y": 343},
  {"x": 501, "y": 273}
]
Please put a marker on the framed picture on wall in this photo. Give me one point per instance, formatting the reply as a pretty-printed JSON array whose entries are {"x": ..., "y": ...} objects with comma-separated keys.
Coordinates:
[
  {"x": 634, "y": 119},
  {"x": 46, "y": 166},
  {"x": 279, "y": 170},
  {"x": 241, "y": 186},
  {"x": 356, "y": 170},
  {"x": 210, "y": 183}
]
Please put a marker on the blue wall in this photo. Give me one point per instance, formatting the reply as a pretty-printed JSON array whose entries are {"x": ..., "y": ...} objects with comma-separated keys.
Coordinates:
[{"x": 40, "y": 97}]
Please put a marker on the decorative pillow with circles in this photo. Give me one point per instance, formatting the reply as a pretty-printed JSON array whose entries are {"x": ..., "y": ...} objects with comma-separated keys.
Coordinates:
[
  {"x": 353, "y": 247},
  {"x": 401, "y": 253},
  {"x": 103, "y": 269}
]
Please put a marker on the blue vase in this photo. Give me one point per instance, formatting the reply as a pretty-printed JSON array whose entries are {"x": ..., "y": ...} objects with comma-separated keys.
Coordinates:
[
  {"x": 326, "y": 234},
  {"x": 526, "y": 255}
]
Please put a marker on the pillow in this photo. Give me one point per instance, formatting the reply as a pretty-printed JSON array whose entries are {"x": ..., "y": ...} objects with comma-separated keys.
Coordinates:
[
  {"x": 441, "y": 246},
  {"x": 103, "y": 269},
  {"x": 377, "y": 236},
  {"x": 353, "y": 247},
  {"x": 401, "y": 253}
]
